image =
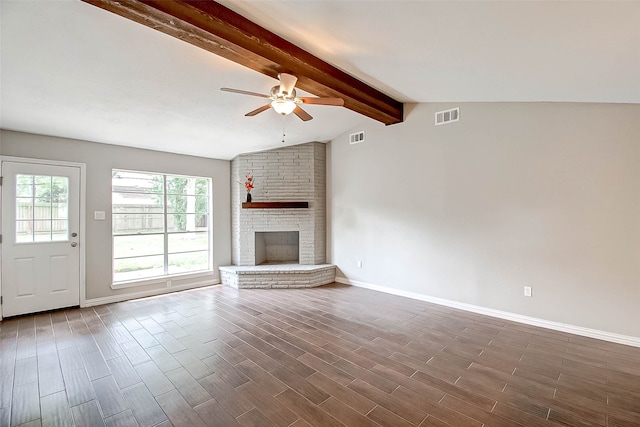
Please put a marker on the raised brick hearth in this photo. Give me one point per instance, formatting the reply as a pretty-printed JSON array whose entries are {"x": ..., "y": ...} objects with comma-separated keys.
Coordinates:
[
  {"x": 278, "y": 276},
  {"x": 288, "y": 174}
]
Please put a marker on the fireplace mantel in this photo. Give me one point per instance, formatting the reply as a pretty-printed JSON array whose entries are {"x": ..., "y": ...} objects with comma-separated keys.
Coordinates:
[{"x": 275, "y": 205}]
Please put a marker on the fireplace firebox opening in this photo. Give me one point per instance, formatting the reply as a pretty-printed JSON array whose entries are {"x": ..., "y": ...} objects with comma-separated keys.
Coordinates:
[{"x": 277, "y": 247}]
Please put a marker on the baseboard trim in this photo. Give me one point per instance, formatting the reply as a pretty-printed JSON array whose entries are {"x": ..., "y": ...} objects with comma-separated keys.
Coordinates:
[
  {"x": 143, "y": 294},
  {"x": 557, "y": 326}
]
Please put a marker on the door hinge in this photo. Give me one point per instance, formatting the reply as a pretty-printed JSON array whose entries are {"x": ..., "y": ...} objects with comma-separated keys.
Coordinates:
[
  {"x": 0, "y": 238},
  {"x": 0, "y": 181},
  {"x": 0, "y": 300}
]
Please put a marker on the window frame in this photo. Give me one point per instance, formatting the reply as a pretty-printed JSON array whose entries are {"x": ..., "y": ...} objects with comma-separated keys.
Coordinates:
[{"x": 166, "y": 277}]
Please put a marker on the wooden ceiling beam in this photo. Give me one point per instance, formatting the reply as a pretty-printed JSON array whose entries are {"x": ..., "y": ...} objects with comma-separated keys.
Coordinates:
[{"x": 217, "y": 29}]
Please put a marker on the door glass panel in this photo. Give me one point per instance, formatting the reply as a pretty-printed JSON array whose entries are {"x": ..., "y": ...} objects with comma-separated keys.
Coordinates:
[
  {"x": 24, "y": 208},
  {"x": 24, "y": 231},
  {"x": 42, "y": 208},
  {"x": 60, "y": 186},
  {"x": 24, "y": 186},
  {"x": 61, "y": 233},
  {"x": 60, "y": 210},
  {"x": 41, "y": 231}
]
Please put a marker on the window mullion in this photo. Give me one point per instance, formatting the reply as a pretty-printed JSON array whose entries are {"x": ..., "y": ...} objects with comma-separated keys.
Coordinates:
[
  {"x": 33, "y": 210},
  {"x": 166, "y": 227},
  {"x": 50, "y": 208},
  {"x": 210, "y": 222}
]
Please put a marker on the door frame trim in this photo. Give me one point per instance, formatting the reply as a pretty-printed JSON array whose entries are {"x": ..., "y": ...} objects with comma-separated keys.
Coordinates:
[{"x": 82, "y": 218}]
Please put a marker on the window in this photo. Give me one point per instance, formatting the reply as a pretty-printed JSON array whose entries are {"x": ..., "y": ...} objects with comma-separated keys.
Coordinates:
[
  {"x": 160, "y": 225},
  {"x": 42, "y": 208}
]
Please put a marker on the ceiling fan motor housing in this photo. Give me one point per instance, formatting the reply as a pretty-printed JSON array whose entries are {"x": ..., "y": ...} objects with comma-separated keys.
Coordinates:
[{"x": 278, "y": 93}]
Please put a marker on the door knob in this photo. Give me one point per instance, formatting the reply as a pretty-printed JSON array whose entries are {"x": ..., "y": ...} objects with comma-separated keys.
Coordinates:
[
  {"x": 74, "y": 244},
  {"x": 74, "y": 234}
]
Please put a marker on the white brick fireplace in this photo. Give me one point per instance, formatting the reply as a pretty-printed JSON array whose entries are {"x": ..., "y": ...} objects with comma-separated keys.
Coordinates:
[{"x": 288, "y": 174}]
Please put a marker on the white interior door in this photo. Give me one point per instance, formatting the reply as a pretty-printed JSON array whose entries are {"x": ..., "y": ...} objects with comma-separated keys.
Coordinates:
[{"x": 40, "y": 226}]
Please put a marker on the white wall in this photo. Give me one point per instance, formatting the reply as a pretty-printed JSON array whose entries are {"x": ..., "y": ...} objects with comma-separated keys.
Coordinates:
[
  {"x": 544, "y": 195},
  {"x": 100, "y": 159}
]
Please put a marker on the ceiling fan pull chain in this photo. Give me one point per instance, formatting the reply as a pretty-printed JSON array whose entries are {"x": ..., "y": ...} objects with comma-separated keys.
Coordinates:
[{"x": 284, "y": 118}]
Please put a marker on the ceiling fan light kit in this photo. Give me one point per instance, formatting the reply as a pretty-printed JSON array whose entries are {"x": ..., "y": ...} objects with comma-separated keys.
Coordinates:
[
  {"x": 284, "y": 100},
  {"x": 283, "y": 106}
]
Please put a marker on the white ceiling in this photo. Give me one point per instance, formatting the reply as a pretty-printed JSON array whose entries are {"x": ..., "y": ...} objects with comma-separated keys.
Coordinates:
[{"x": 73, "y": 70}]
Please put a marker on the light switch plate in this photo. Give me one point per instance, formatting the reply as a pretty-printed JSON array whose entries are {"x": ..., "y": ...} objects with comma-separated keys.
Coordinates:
[{"x": 99, "y": 215}]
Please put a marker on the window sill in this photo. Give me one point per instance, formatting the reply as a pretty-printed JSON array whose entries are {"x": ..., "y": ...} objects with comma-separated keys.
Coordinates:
[{"x": 164, "y": 280}]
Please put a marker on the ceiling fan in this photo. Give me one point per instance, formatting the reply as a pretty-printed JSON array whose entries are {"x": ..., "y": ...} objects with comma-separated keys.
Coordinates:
[{"x": 284, "y": 100}]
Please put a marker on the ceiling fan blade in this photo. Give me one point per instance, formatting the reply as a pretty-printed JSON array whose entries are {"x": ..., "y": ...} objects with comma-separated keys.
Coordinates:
[
  {"x": 287, "y": 82},
  {"x": 258, "y": 110},
  {"x": 339, "y": 102},
  {"x": 243, "y": 92},
  {"x": 303, "y": 115}
]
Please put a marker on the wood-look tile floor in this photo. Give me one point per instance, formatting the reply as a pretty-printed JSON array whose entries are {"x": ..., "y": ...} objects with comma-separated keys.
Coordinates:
[{"x": 328, "y": 356}]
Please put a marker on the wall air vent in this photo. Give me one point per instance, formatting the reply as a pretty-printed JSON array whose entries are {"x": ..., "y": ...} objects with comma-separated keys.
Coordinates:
[
  {"x": 447, "y": 116},
  {"x": 356, "y": 138}
]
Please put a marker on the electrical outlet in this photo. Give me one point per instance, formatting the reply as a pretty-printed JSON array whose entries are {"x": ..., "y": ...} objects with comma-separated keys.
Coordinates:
[
  {"x": 359, "y": 264},
  {"x": 169, "y": 283},
  {"x": 527, "y": 291}
]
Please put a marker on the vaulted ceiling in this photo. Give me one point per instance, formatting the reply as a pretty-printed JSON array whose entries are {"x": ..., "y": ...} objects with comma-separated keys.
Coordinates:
[
  {"x": 71, "y": 69},
  {"x": 213, "y": 27}
]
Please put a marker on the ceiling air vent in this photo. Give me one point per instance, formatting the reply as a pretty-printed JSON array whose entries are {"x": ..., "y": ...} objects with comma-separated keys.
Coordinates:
[
  {"x": 356, "y": 138},
  {"x": 447, "y": 116}
]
